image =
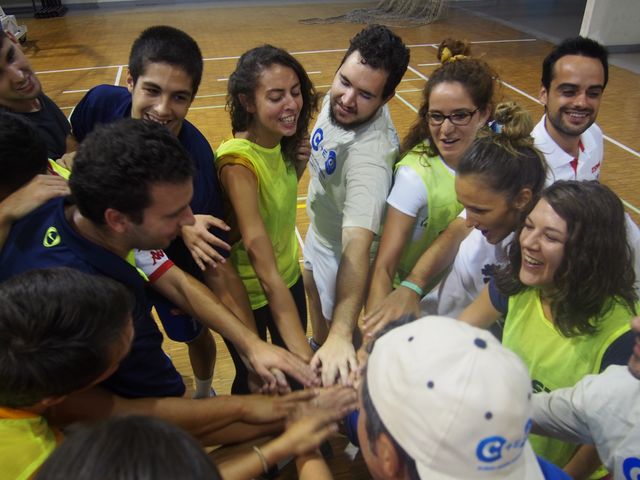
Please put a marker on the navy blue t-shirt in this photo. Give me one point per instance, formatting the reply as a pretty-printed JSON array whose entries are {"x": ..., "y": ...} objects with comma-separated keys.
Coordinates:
[
  {"x": 108, "y": 103},
  {"x": 45, "y": 239}
]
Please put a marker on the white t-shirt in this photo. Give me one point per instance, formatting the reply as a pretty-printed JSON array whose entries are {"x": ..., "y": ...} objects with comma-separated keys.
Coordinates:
[
  {"x": 350, "y": 174},
  {"x": 467, "y": 277},
  {"x": 589, "y": 159},
  {"x": 600, "y": 409}
]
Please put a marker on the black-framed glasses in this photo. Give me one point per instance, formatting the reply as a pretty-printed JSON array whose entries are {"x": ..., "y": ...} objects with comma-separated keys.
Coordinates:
[{"x": 457, "y": 118}]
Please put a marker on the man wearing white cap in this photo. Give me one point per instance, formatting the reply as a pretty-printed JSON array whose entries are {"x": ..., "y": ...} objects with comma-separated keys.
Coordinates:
[{"x": 441, "y": 399}]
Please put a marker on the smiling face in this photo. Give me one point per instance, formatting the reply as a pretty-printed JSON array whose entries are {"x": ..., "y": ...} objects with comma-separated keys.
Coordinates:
[
  {"x": 163, "y": 219},
  {"x": 490, "y": 212},
  {"x": 574, "y": 96},
  {"x": 162, "y": 94},
  {"x": 276, "y": 105},
  {"x": 19, "y": 85},
  {"x": 453, "y": 140},
  {"x": 356, "y": 92},
  {"x": 542, "y": 241}
]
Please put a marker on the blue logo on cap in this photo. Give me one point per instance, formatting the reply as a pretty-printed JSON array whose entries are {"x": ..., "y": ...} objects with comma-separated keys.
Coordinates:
[
  {"x": 330, "y": 164},
  {"x": 631, "y": 468},
  {"x": 316, "y": 138}
]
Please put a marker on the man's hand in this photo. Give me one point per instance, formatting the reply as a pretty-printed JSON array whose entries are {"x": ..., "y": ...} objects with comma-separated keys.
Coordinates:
[
  {"x": 200, "y": 241},
  {"x": 259, "y": 409},
  {"x": 336, "y": 359},
  {"x": 270, "y": 362},
  {"x": 302, "y": 155},
  {"x": 39, "y": 190},
  {"x": 66, "y": 160},
  {"x": 402, "y": 301}
]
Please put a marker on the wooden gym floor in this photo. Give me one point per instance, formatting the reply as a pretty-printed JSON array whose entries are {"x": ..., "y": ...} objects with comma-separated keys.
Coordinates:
[{"x": 86, "y": 48}]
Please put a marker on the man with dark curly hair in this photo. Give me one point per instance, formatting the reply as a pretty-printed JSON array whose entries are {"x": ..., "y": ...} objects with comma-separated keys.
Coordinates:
[{"x": 353, "y": 147}]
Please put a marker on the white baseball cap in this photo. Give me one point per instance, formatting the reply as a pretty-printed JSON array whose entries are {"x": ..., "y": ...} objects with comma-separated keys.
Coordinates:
[{"x": 455, "y": 399}]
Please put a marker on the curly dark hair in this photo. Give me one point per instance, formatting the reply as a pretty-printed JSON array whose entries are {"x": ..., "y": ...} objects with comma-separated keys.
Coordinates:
[
  {"x": 117, "y": 163},
  {"x": 478, "y": 78},
  {"x": 507, "y": 161},
  {"x": 380, "y": 48},
  {"x": 244, "y": 82},
  {"x": 596, "y": 271}
]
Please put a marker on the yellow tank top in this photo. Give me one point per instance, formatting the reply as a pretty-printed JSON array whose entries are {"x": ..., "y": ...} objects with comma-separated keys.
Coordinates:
[{"x": 277, "y": 197}]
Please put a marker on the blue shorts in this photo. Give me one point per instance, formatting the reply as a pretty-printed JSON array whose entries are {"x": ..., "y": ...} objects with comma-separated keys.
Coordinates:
[{"x": 179, "y": 326}]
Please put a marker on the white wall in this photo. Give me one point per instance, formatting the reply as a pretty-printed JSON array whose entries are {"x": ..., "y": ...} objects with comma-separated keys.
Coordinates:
[{"x": 612, "y": 22}]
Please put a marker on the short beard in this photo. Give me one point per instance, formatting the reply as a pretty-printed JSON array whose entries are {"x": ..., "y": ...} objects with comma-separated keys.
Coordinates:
[{"x": 348, "y": 126}]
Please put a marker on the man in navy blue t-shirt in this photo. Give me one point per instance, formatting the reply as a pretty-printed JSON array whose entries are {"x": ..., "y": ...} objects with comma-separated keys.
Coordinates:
[
  {"x": 132, "y": 185},
  {"x": 165, "y": 69}
]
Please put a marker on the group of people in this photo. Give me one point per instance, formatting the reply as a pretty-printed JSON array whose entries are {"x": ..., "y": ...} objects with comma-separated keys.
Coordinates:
[{"x": 476, "y": 215}]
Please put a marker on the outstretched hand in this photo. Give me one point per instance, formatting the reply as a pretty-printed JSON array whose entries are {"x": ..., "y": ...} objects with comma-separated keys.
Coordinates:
[
  {"x": 402, "y": 301},
  {"x": 201, "y": 242},
  {"x": 335, "y": 359},
  {"x": 39, "y": 190}
]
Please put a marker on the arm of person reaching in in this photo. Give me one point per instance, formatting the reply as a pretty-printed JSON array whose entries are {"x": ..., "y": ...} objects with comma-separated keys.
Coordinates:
[
  {"x": 35, "y": 193},
  {"x": 397, "y": 231},
  {"x": 199, "y": 301},
  {"x": 242, "y": 188},
  {"x": 225, "y": 282},
  {"x": 481, "y": 313},
  {"x": 306, "y": 428},
  {"x": 201, "y": 242},
  {"x": 337, "y": 357},
  {"x": 434, "y": 260},
  {"x": 215, "y": 420},
  {"x": 562, "y": 414}
]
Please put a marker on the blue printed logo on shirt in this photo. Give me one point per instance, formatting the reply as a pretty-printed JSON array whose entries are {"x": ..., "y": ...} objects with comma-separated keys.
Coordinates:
[
  {"x": 330, "y": 163},
  {"x": 631, "y": 468},
  {"x": 316, "y": 138}
]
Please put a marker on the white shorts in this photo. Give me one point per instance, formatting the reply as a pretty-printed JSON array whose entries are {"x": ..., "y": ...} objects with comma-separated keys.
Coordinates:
[{"x": 323, "y": 263}]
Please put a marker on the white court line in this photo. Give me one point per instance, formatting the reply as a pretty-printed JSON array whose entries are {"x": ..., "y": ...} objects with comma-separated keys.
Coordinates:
[
  {"x": 299, "y": 237},
  {"x": 315, "y": 72},
  {"x": 82, "y": 90},
  {"x": 514, "y": 40},
  {"x": 409, "y": 90},
  {"x": 429, "y": 64},
  {"x": 118, "y": 75},
  {"x": 222, "y": 79},
  {"x": 408, "y": 104},
  {"x": 79, "y": 69},
  {"x": 208, "y": 107},
  {"x": 212, "y": 95},
  {"x": 631, "y": 207}
]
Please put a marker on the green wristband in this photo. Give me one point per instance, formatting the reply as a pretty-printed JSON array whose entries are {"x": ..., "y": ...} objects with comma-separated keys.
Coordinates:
[{"x": 412, "y": 286}]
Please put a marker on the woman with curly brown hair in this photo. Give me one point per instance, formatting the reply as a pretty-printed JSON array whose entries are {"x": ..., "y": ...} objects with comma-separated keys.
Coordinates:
[{"x": 567, "y": 293}]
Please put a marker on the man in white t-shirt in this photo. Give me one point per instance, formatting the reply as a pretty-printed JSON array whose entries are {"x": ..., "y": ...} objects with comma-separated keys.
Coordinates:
[
  {"x": 353, "y": 147},
  {"x": 574, "y": 76}
]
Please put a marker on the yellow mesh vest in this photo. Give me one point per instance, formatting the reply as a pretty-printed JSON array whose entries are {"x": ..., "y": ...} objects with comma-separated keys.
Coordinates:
[
  {"x": 555, "y": 361},
  {"x": 26, "y": 440},
  {"x": 443, "y": 208},
  {"x": 277, "y": 197}
]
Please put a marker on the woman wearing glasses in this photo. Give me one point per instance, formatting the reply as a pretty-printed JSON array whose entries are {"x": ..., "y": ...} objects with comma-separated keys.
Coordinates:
[{"x": 457, "y": 102}]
